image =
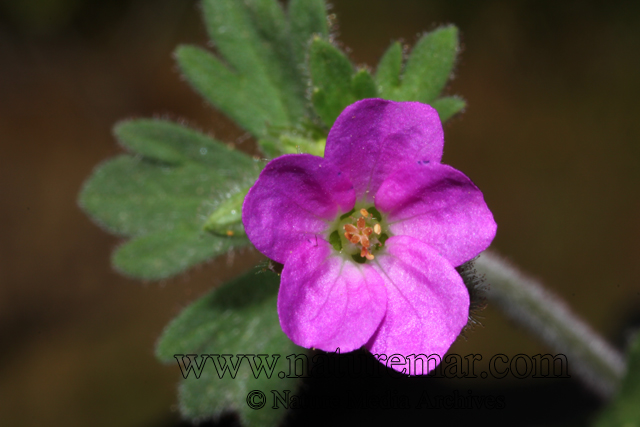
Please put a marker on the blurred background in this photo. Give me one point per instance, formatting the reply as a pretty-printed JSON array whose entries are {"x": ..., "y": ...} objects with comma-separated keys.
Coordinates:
[{"x": 551, "y": 135}]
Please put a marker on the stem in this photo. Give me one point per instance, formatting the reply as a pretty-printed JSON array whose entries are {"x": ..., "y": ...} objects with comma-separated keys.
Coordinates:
[{"x": 523, "y": 299}]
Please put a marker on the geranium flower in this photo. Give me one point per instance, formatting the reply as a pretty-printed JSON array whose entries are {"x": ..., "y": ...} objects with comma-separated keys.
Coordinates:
[{"x": 370, "y": 235}]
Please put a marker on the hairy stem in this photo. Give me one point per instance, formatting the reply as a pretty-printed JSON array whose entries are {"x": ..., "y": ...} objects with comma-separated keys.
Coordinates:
[{"x": 523, "y": 299}]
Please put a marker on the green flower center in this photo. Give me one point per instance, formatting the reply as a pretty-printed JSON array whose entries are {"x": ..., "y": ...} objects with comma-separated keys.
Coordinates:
[{"x": 359, "y": 236}]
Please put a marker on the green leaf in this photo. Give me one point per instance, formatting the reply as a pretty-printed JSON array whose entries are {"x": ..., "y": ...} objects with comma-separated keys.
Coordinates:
[
  {"x": 306, "y": 17},
  {"x": 625, "y": 410},
  {"x": 166, "y": 253},
  {"x": 238, "y": 318},
  {"x": 163, "y": 197},
  {"x": 171, "y": 142},
  {"x": 427, "y": 70},
  {"x": 226, "y": 220},
  {"x": 388, "y": 72},
  {"x": 253, "y": 36},
  {"x": 429, "y": 65},
  {"x": 335, "y": 86},
  {"x": 294, "y": 141},
  {"x": 251, "y": 102},
  {"x": 331, "y": 73},
  {"x": 448, "y": 106},
  {"x": 363, "y": 86},
  {"x": 131, "y": 196},
  {"x": 259, "y": 80}
]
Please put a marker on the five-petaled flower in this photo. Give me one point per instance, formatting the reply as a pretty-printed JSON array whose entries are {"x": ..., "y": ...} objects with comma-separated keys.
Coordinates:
[{"x": 370, "y": 235}]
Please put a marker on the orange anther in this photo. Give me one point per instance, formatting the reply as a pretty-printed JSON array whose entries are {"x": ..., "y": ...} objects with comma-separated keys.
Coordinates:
[
  {"x": 359, "y": 233},
  {"x": 350, "y": 229}
]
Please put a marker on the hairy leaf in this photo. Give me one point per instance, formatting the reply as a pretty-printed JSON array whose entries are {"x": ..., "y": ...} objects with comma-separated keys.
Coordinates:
[
  {"x": 388, "y": 72},
  {"x": 226, "y": 220},
  {"x": 259, "y": 79},
  {"x": 448, "y": 106},
  {"x": 306, "y": 17},
  {"x": 426, "y": 72},
  {"x": 331, "y": 75},
  {"x": 163, "y": 196},
  {"x": 429, "y": 65},
  {"x": 252, "y": 102},
  {"x": 363, "y": 85},
  {"x": 239, "y": 318},
  {"x": 171, "y": 142},
  {"x": 166, "y": 253}
]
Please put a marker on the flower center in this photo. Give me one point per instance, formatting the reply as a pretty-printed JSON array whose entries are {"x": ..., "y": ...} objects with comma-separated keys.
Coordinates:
[{"x": 364, "y": 232}]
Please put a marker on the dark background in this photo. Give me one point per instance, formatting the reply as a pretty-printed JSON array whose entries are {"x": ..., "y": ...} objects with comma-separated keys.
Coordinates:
[{"x": 551, "y": 136}]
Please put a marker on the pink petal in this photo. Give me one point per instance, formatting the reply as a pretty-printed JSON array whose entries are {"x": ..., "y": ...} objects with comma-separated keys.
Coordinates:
[
  {"x": 295, "y": 199},
  {"x": 427, "y": 302},
  {"x": 329, "y": 302},
  {"x": 374, "y": 137},
  {"x": 440, "y": 206}
]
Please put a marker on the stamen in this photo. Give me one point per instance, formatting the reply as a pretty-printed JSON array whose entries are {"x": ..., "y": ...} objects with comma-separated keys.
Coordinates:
[
  {"x": 350, "y": 228},
  {"x": 366, "y": 254},
  {"x": 362, "y": 234}
]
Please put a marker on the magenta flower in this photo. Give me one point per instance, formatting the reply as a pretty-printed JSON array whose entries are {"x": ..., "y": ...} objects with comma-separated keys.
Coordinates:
[{"x": 370, "y": 234}]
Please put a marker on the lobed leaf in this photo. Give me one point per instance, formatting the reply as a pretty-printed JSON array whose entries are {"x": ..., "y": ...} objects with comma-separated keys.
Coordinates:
[
  {"x": 425, "y": 74},
  {"x": 226, "y": 220},
  {"x": 388, "y": 72},
  {"x": 163, "y": 197},
  {"x": 448, "y": 106},
  {"x": 133, "y": 196},
  {"x": 251, "y": 102},
  {"x": 164, "y": 254},
  {"x": 429, "y": 65},
  {"x": 306, "y": 18},
  {"x": 260, "y": 78},
  {"x": 331, "y": 75},
  {"x": 294, "y": 141},
  {"x": 237, "y": 318},
  {"x": 363, "y": 86},
  {"x": 171, "y": 142},
  {"x": 253, "y": 37}
]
